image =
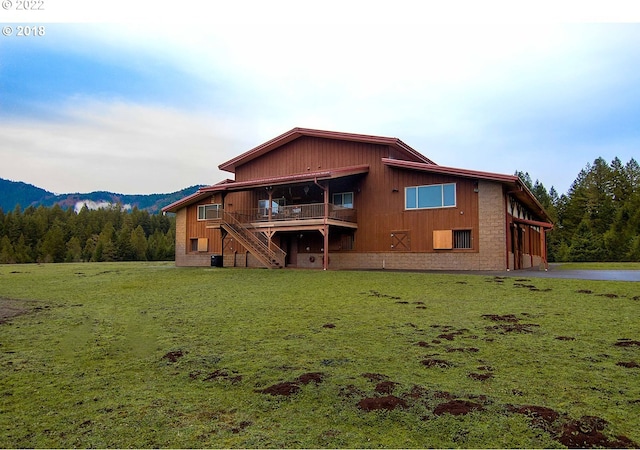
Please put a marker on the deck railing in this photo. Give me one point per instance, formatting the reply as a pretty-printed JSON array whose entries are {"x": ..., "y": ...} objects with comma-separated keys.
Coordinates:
[{"x": 299, "y": 212}]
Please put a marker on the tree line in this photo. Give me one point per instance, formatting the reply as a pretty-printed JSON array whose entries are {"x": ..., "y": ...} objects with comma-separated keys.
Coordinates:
[
  {"x": 598, "y": 219},
  {"x": 53, "y": 234}
]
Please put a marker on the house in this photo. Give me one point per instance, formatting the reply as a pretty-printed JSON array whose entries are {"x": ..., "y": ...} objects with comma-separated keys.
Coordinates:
[{"x": 322, "y": 199}]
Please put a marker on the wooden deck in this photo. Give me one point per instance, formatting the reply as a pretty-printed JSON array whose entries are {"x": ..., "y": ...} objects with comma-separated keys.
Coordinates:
[{"x": 306, "y": 216}]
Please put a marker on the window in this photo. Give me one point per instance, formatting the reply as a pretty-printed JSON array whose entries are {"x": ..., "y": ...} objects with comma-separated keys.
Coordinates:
[
  {"x": 263, "y": 206},
  {"x": 209, "y": 212},
  {"x": 431, "y": 196},
  {"x": 462, "y": 239},
  {"x": 344, "y": 199}
]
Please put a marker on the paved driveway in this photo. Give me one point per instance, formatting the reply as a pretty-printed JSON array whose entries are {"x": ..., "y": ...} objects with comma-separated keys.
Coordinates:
[{"x": 554, "y": 272}]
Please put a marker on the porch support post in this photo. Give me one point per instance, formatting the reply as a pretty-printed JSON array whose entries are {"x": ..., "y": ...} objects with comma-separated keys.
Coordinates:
[
  {"x": 325, "y": 259},
  {"x": 507, "y": 229},
  {"x": 270, "y": 232},
  {"x": 270, "y": 191},
  {"x": 543, "y": 247}
]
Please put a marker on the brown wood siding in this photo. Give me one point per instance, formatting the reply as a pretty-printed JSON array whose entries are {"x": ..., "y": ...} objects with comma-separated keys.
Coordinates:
[
  {"x": 311, "y": 154},
  {"x": 379, "y": 198},
  {"x": 381, "y": 210},
  {"x": 196, "y": 229}
]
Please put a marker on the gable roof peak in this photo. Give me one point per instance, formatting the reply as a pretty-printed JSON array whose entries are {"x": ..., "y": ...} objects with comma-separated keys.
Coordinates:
[{"x": 298, "y": 132}]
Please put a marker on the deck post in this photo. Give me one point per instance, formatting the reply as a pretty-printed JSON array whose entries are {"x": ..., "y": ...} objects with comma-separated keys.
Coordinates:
[
  {"x": 270, "y": 191},
  {"x": 543, "y": 248},
  {"x": 325, "y": 225},
  {"x": 325, "y": 259}
]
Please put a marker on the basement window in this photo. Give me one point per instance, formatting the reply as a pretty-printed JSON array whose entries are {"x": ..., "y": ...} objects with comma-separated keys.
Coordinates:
[{"x": 462, "y": 239}]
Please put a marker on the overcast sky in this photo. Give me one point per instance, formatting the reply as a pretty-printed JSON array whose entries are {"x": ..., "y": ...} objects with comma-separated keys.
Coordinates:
[{"x": 152, "y": 97}]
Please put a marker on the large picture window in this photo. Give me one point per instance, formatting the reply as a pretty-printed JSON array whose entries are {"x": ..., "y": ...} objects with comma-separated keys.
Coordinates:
[
  {"x": 209, "y": 212},
  {"x": 431, "y": 196}
]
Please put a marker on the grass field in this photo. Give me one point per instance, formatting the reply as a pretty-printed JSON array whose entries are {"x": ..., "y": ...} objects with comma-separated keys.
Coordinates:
[
  {"x": 599, "y": 266},
  {"x": 149, "y": 355}
]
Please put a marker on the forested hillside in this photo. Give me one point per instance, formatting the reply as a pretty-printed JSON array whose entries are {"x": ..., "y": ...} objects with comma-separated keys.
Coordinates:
[
  {"x": 109, "y": 234},
  {"x": 13, "y": 193},
  {"x": 598, "y": 219}
]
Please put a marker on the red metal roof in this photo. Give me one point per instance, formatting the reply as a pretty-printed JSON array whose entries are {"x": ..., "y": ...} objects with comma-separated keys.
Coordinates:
[
  {"x": 287, "y": 179},
  {"x": 295, "y": 133},
  {"x": 518, "y": 188},
  {"x": 229, "y": 185},
  {"x": 450, "y": 170}
]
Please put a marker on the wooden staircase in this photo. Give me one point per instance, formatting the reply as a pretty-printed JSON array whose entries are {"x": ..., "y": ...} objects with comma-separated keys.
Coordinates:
[{"x": 272, "y": 256}]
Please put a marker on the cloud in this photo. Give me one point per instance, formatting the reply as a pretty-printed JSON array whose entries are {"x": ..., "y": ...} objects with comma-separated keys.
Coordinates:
[
  {"x": 544, "y": 98},
  {"x": 117, "y": 146}
]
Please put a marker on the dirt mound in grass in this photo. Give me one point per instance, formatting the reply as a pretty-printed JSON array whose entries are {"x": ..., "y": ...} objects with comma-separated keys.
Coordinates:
[
  {"x": 10, "y": 308},
  {"x": 513, "y": 328},
  {"x": 429, "y": 362},
  {"x": 457, "y": 407},
  {"x": 287, "y": 388},
  {"x": 480, "y": 376},
  {"x": 389, "y": 403},
  {"x": 628, "y": 364},
  {"x": 311, "y": 377},
  {"x": 624, "y": 342},
  {"x": 462, "y": 349},
  {"x": 541, "y": 417},
  {"x": 501, "y": 318},
  {"x": 374, "y": 376},
  {"x": 216, "y": 375},
  {"x": 586, "y": 432},
  {"x": 385, "y": 387},
  {"x": 174, "y": 355},
  {"x": 512, "y": 324}
]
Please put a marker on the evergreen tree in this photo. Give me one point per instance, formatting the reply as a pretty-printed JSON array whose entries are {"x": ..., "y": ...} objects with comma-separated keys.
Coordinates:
[
  {"x": 74, "y": 250},
  {"x": 139, "y": 243},
  {"x": 53, "y": 247},
  {"x": 585, "y": 245},
  {"x": 7, "y": 253}
]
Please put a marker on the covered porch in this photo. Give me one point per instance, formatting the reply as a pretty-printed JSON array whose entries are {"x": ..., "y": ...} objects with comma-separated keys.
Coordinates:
[{"x": 310, "y": 213}]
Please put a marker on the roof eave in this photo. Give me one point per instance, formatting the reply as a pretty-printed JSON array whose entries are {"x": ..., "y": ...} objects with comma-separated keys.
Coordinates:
[
  {"x": 516, "y": 184},
  {"x": 289, "y": 179}
]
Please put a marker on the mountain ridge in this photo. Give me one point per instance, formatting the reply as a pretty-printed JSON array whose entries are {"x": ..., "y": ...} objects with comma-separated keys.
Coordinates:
[{"x": 13, "y": 193}]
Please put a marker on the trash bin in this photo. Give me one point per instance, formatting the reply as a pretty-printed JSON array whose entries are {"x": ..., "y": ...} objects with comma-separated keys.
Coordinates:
[{"x": 216, "y": 260}]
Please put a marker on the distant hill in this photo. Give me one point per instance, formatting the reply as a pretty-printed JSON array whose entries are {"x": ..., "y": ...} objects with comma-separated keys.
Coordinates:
[{"x": 14, "y": 193}]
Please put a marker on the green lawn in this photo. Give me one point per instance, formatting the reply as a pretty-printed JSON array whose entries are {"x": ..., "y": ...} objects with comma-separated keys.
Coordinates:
[
  {"x": 599, "y": 266},
  {"x": 149, "y": 355}
]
